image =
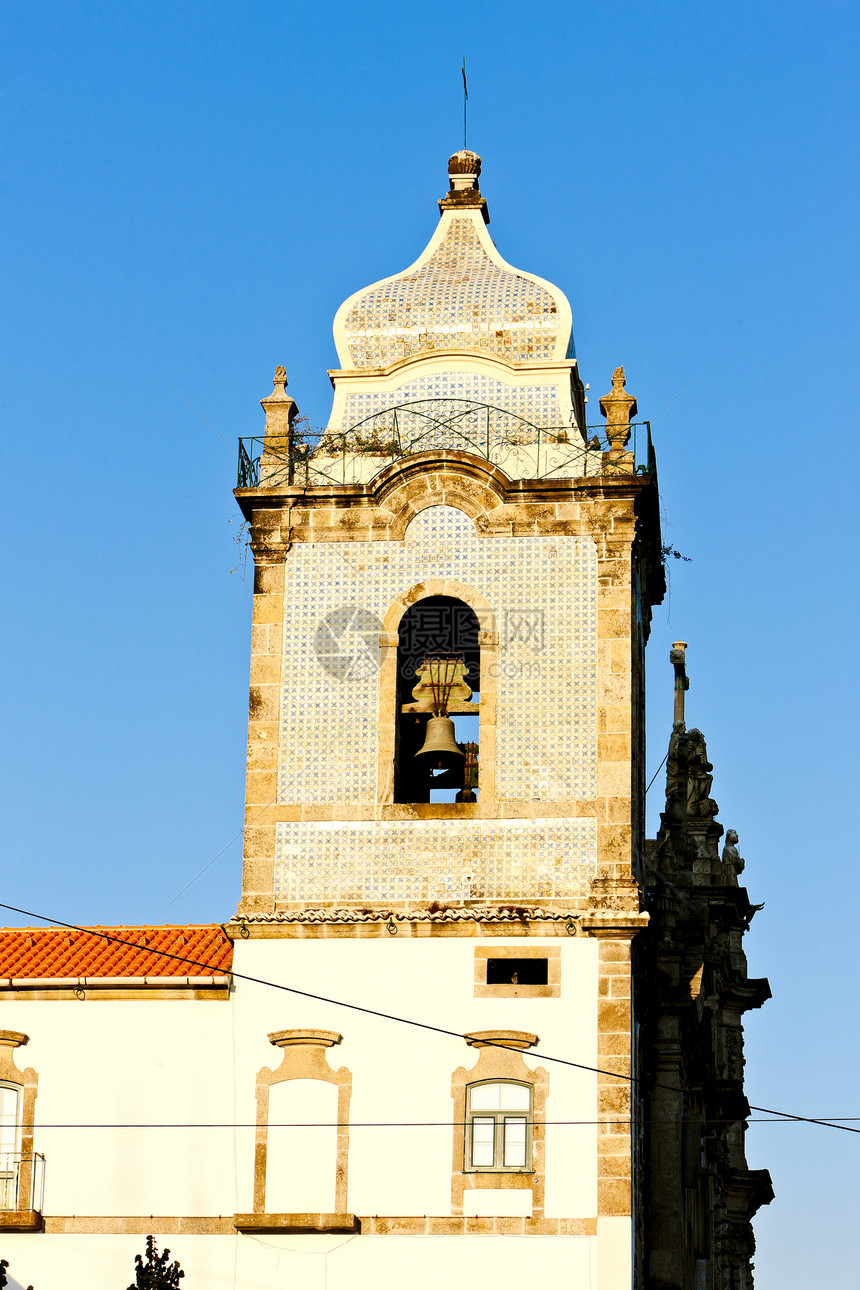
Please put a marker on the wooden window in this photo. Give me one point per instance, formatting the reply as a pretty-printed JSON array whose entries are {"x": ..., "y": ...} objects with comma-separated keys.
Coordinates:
[{"x": 499, "y": 1127}]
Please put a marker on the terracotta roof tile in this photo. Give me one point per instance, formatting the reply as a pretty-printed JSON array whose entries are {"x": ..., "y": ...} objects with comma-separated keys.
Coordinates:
[{"x": 40, "y": 952}]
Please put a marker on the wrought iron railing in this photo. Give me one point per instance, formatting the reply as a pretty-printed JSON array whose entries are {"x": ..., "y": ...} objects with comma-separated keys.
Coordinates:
[
  {"x": 22, "y": 1181},
  {"x": 521, "y": 448}
]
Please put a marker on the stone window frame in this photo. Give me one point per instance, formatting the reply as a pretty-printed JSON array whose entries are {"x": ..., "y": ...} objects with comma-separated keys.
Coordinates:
[
  {"x": 500, "y": 1060},
  {"x": 552, "y": 989},
  {"x": 304, "y": 1057},
  {"x": 27, "y": 1081},
  {"x": 488, "y": 643},
  {"x": 500, "y": 1119}
]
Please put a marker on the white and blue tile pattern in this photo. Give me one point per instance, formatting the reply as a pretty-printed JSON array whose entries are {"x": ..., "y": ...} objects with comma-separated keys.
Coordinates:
[
  {"x": 543, "y": 592},
  {"x": 444, "y": 860}
]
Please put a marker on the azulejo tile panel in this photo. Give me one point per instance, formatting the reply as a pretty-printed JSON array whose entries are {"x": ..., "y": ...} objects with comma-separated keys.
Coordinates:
[
  {"x": 543, "y": 592},
  {"x": 447, "y": 422},
  {"x": 440, "y": 860},
  {"x": 457, "y": 299}
]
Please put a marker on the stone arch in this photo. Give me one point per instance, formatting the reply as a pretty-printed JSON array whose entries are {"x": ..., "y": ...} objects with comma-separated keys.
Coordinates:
[
  {"x": 472, "y": 485},
  {"x": 442, "y": 587}
]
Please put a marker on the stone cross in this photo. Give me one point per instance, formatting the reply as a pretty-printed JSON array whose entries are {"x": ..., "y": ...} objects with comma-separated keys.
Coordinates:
[{"x": 678, "y": 659}]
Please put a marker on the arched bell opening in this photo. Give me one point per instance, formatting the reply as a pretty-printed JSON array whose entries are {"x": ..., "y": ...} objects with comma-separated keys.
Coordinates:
[{"x": 438, "y": 680}]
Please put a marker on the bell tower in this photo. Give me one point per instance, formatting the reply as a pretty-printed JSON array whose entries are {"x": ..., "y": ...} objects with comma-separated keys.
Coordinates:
[{"x": 445, "y": 788}]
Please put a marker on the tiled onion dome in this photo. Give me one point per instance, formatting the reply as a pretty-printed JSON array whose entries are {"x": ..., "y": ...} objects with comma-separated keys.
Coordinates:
[{"x": 459, "y": 295}]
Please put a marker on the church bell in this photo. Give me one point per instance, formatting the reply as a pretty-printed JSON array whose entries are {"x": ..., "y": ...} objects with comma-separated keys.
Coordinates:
[{"x": 440, "y": 748}]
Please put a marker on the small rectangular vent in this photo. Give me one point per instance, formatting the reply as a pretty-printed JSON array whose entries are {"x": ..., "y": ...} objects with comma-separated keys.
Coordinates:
[{"x": 517, "y": 971}]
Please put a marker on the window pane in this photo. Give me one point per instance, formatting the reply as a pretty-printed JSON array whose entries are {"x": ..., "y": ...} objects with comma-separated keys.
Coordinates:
[
  {"x": 8, "y": 1119},
  {"x": 515, "y": 1097},
  {"x": 487, "y": 1097},
  {"x": 483, "y": 1142},
  {"x": 515, "y": 1143}
]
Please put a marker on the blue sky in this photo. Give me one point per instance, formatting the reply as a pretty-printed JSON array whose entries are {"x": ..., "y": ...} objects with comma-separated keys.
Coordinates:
[{"x": 187, "y": 194}]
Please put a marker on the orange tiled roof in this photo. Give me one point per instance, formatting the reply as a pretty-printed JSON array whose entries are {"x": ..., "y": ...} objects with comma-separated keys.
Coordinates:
[{"x": 40, "y": 952}]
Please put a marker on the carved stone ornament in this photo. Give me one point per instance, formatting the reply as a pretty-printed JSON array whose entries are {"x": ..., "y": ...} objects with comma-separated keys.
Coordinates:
[
  {"x": 700, "y": 804},
  {"x": 730, "y": 852},
  {"x": 464, "y": 168},
  {"x": 280, "y": 410},
  {"x": 618, "y": 407}
]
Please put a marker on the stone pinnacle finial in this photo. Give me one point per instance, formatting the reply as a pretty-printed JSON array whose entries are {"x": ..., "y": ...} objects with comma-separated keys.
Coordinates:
[
  {"x": 279, "y": 408},
  {"x": 464, "y": 168},
  {"x": 618, "y": 407}
]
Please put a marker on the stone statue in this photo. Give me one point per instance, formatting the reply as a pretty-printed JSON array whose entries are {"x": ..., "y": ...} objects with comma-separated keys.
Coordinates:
[
  {"x": 700, "y": 804},
  {"x": 730, "y": 852}
]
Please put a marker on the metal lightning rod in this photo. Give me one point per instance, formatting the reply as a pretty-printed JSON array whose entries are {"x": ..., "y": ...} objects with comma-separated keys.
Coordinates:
[{"x": 465, "y": 108}]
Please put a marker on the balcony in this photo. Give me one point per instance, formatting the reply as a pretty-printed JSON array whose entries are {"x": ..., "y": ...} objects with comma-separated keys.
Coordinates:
[
  {"x": 520, "y": 448},
  {"x": 22, "y": 1188}
]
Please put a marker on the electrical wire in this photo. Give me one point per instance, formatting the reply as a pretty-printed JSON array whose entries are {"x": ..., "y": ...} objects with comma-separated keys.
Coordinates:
[
  {"x": 428, "y": 1124},
  {"x": 657, "y": 771},
  {"x": 406, "y": 1021}
]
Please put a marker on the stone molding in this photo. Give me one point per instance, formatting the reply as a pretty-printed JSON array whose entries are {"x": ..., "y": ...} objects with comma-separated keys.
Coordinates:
[
  {"x": 304, "y": 1057},
  {"x": 480, "y": 914},
  {"x": 28, "y": 1082},
  {"x": 496, "y": 1062},
  {"x": 508, "y": 921},
  {"x": 366, "y": 1225},
  {"x": 513, "y": 1040},
  {"x": 296, "y": 1223},
  {"x": 552, "y": 989}
]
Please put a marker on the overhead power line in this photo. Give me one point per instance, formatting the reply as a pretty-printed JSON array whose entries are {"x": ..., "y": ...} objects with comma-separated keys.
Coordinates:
[
  {"x": 415, "y": 1124},
  {"x": 389, "y": 1016}
]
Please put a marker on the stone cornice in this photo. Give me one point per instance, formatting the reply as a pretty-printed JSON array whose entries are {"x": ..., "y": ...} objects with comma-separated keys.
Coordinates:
[
  {"x": 451, "y": 914},
  {"x": 469, "y": 920},
  {"x": 613, "y": 484},
  {"x": 451, "y": 357}
]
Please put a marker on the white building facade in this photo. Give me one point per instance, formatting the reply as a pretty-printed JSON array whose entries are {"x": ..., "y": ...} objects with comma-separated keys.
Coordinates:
[{"x": 408, "y": 1057}]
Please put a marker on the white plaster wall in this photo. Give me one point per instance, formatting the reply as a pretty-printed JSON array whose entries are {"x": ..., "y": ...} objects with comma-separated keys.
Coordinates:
[
  {"x": 403, "y": 1073},
  {"x": 503, "y": 1262},
  {"x": 140, "y": 1061},
  {"x": 300, "y": 1173},
  {"x": 130, "y": 1062},
  {"x": 614, "y": 1253},
  {"x": 275, "y": 1262}
]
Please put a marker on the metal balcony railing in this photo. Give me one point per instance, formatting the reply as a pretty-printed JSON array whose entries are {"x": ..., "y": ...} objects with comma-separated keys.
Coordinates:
[
  {"x": 520, "y": 448},
  {"x": 22, "y": 1181}
]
